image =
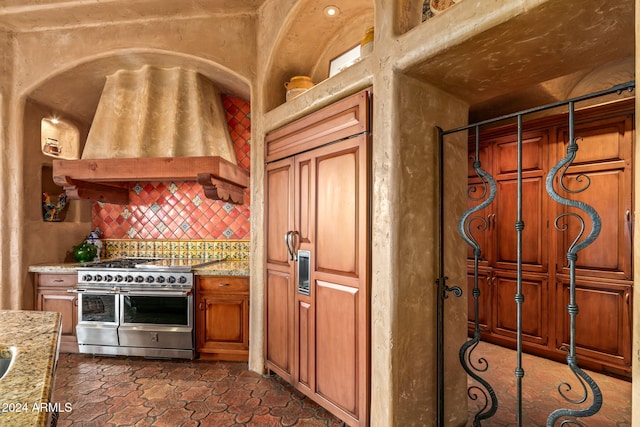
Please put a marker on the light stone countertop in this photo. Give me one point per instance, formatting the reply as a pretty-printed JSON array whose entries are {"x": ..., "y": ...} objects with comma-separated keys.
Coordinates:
[
  {"x": 224, "y": 268},
  {"x": 53, "y": 268},
  {"x": 29, "y": 382}
]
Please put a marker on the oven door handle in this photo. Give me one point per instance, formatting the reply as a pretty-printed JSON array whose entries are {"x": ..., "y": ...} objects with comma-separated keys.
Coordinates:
[
  {"x": 93, "y": 291},
  {"x": 157, "y": 293}
]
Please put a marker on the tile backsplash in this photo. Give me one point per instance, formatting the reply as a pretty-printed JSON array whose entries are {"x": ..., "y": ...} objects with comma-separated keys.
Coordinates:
[
  {"x": 232, "y": 250},
  {"x": 179, "y": 212}
]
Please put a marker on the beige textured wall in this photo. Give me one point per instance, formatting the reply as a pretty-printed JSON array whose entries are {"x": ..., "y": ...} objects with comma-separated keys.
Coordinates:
[
  {"x": 10, "y": 216},
  {"x": 229, "y": 41},
  {"x": 421, "y": 108},
  {"x": 45, "y": 241},
  {"x": 9, "y": 236}
]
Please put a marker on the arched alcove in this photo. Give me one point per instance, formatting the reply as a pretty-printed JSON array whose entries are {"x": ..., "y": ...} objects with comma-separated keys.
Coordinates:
[
  {"x": 309, "y": 39},
  {"x": 75, "y": 90},
  {"x": 72, "y": 94}
]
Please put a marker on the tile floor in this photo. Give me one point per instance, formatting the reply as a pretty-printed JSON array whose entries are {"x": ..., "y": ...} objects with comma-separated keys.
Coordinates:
[
  {"x": 540, "y": 394},
  {"x": 118, "y": 392},
  {"x": 115, "y": 391}
]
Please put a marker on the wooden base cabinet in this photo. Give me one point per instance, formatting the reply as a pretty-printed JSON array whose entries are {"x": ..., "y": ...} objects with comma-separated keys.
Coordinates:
[
  {"x": 222, "y": 317},
  {"x": 317, "y": 257},
  {"x": 603, "y": 325},
  {"x": 51, "y": 295},
  {"x": 604, "y": 274}
]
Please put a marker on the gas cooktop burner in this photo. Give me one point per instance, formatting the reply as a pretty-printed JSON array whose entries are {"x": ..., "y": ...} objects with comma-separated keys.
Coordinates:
[{"x": 121, "y": 263}]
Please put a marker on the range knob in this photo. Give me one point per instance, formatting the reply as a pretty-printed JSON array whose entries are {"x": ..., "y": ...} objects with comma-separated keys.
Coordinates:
[
  {"x": 171, "y": 279},
  {"x": 119, "y": 278},
  {"x": 182, "y": 279},
  {"x": 97, "y": 278},
  {"x": 139, "y": 279},
  {"x": 87, "y": 278},
  {"x": 160, "y": 279},
  {"x": 108, "y": 278},
  {"x": 128, "y": 278},
  {"x": 149, "y": 279}
]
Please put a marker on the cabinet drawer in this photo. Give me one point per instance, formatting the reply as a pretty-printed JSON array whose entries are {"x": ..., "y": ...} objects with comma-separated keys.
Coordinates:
[
  {"x": 223, "y": 284},
  {"x": 57, "y": 280}
]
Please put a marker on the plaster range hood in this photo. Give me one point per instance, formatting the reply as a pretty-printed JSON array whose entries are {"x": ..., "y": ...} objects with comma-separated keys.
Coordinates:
[{"x": 155, "y": 124}]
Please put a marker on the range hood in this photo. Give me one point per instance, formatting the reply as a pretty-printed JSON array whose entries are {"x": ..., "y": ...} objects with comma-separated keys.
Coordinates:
[{"x": 155, "y": 124}]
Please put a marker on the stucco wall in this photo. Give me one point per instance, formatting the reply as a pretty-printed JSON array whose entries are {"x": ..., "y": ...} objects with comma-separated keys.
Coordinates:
[
  {"x": 422, "y": 107},
  {"x": 44, "y": 241},
  {"x": 229, "y": 41},
  {"x": 9, "y": 239}
]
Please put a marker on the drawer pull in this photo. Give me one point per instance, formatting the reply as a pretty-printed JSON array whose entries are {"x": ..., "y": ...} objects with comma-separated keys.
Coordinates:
[
  {"x": 58, "y": 281},
  {"x": 223, "y": 284}
]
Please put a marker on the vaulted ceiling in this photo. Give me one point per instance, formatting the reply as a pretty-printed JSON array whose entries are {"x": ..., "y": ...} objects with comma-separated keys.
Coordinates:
[{"x": 39, "y": 15}]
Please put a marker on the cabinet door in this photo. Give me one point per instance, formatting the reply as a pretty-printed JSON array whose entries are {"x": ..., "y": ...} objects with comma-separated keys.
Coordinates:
[
  {"x": 603, "y": 162},
  {"x": 279, "y": 272},
  {"x": 603, "y": 326},
  {"x": 534, "y": 203},
  {"x": 339, "y": 276},
  {"x": 222, "y": 317},
  {"x": 224, "y": 325},
  {"x": 535, "y": 313},
  {"x": 64, "y": 303},
  {"x": 51, "y": 295},
  {"x": 304, "y": 312},
  {"x": 479, "y": 225}
]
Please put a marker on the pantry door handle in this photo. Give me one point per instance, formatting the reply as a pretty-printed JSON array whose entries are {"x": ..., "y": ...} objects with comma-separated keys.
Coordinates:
[
  {"x": 629, "y": 225},
  {"x": 293, "y": 245},
  {"x": 287, "y": 242}
]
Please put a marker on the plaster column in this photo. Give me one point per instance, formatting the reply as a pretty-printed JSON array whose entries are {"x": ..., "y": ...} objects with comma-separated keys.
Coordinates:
[
  {"x": 405, "y": 252},
  {"x": 11, "y": 296}
]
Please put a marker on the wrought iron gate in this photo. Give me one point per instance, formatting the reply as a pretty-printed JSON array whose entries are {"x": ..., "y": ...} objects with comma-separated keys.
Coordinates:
[{"x": 476, "y": 367}]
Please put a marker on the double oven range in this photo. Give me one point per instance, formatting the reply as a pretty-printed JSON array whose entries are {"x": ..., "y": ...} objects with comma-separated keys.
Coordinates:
[{"x": 137, "y": 307}]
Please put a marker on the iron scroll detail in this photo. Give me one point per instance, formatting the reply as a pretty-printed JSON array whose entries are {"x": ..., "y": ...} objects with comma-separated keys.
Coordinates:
[
  {"x": 473, "y": 223},
  {"x": 568, "y": 415},
  {"x": 485, "y": 391}
]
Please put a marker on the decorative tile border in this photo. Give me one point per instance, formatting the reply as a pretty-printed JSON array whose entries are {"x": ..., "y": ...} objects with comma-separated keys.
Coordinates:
[{"x": 232, "y": 250}]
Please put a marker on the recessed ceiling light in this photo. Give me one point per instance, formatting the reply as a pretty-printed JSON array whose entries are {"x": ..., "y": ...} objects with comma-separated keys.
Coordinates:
[{"x": 331, "y": 11}]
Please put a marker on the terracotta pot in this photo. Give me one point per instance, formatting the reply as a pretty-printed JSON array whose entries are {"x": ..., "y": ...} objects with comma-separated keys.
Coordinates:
[
  {"x": 297, "y": 85},
  {"x": 299, "y": 82},
  {"x": 366, "y": 45}
]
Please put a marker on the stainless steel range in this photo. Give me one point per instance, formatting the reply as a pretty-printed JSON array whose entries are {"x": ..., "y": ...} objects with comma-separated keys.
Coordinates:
[{"x": 137, "y": 307}]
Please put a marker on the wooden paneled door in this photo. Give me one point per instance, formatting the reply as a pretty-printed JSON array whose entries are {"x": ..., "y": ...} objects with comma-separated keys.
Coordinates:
[
  {"x": 603, "y": 269},
  {"x": 317, "y": 250},
  {"x": 332, "y": 321},
  {"x": 494, "y": 229},
  {"x": 280, "y": 268}
]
